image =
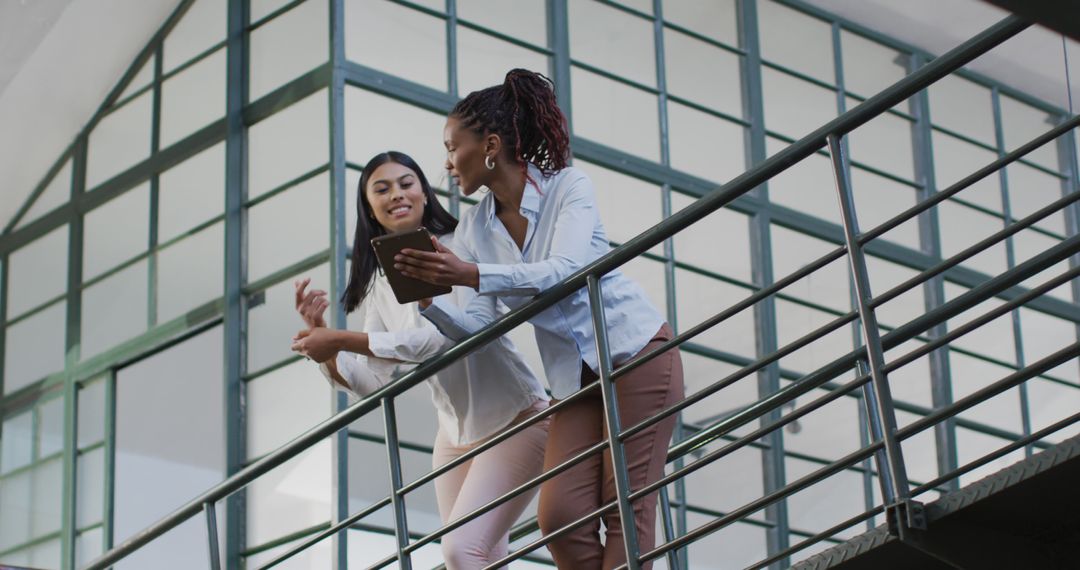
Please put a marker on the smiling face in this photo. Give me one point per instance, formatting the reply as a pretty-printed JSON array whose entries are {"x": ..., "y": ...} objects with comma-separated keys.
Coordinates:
[
  {"x": 395, "y": 197},
  {"x": 465, "y": 154}
]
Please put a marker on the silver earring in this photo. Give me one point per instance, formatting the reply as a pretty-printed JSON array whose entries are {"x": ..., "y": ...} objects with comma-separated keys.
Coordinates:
[{"x": 489, "y": 163}]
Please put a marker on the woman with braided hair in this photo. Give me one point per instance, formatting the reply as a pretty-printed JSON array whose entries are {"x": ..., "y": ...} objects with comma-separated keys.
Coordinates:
[{"x": 537, "y": 226}]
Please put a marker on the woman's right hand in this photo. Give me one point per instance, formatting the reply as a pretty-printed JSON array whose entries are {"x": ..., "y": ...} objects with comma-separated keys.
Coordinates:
[{"x": 311, "y": 305}]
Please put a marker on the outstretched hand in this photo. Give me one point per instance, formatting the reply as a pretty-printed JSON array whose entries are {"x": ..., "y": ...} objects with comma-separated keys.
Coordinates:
[{"x": 440, "y": 267}]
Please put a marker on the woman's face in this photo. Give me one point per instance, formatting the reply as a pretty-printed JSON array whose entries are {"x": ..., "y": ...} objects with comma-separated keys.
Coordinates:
[
  {"x": 464, "y": 157},
  {"x": 395, "y": 197}
]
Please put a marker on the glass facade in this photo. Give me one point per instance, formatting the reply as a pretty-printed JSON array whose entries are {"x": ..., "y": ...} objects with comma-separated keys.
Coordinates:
[{"x": 146, "y": 294}]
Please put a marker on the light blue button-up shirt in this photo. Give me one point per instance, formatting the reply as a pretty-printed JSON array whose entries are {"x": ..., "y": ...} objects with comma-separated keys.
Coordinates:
[{"x": 564, "y": 234}]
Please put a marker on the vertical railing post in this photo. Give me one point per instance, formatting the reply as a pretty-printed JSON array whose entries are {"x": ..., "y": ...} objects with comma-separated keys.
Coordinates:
[
  {"x": 902, "y": 514},
  {"x": 393, "y": 454},
  {"x": 614, "y": 428},
  {"x": 212, "y": 535},
  {"x": 669, "y": 528}
]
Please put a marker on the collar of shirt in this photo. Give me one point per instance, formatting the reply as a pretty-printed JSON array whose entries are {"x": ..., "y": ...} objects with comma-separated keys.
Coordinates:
[{"x": 531, "y": 198}]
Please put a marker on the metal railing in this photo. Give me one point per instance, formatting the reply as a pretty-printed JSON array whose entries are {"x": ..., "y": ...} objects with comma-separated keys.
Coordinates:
[{"x": 868, "y": 361}]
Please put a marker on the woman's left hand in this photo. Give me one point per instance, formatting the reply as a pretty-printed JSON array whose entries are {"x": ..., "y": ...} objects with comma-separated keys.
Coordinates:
[
  {"x": 440, "y": 267},
  {"x": 319, "y": 343}
]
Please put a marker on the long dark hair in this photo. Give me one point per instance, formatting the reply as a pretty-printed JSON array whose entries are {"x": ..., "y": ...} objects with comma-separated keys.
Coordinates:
[
  {"x": 524, "y": 113},
  {"x": 436, "y": 219}
]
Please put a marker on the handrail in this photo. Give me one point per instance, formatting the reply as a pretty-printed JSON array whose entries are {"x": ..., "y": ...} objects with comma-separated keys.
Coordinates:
[{"x": 864, "y": 112}]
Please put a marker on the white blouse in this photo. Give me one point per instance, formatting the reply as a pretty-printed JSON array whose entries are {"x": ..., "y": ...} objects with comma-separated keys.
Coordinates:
[{"x": 475, "y": 397}]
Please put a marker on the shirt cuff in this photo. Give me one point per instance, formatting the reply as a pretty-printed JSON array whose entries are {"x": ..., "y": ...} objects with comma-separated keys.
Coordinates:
[
  {"x": 443, "y": 317},
  {"x": 494, "y": 278},
  {"x": 382, "y": 345}
]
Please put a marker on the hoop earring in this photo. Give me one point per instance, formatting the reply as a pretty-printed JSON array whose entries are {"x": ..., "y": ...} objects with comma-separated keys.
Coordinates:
[{"x": 489, "y": 163}]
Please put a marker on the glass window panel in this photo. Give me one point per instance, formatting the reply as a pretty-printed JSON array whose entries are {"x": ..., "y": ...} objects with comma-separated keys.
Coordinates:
[
  {"x": 142, "y": 78},
  {"x": 910, "y": 383},
  {"x": 116, "y": 231},
  {"x": 1031, "y": 190},
  {"x": 288, "y": 228},
  {"x": 794, "y": 107},
  {"x": 735, "y": 335},
  {"x": 1043, "y": 335},
  {"x": 649, "y": 274},
  {"x": 869, "y": 67},
  {"x": 970, "y": 374},
  {"x": 701, "y": 372},
  {"x": 156, "y": 440},
  {"x": 16, "y": 505},
  {"x": 284, "y": 404},
  {"x": 114, "y": 310},
  {"x": 37, "y": 272},
  {"x": 287, "y": 144},
  {"x": 830, "y": 432},
  {"x": 963, "y": 106},
  {"x": 46, "y": 480},
  {"x": 613, "y": 41},
  {"x": 739, "y": 490},
  {"x": 955, "y": 159},
  {"x": 272, "y": 323},
  {"x": 716, "y": 20},
  {"x": 742, "y": 545},
  {"x": 291, "y": 497},
  {"x": 1020, "y": 123},
  {"x": 961, "y": 227},
  {"x": 825, "y": 503},
  {"x": 202, "y": 26},
  {"x": 295, "y": 43},
  {"x": 827, "y": 286},
  {"x": 884, "y": 143},
  {"x": 522, "y": 19},
  {"x": 34, "y": 348},
  {"x": 614, "y": 114},
  {"x": 484, "y": 60},
  {"x": 376, "y": 124},
  {"x": 697, "y": 243},
  {"x": 422, "y": 59},
  {"x": 1028, "y": 244},
  {"x": 191, "y": 193},
  {"x": 46, "y": 555},
  {"x": 878, "y": 199},
  {"x": 1051, "y": 402},
  {"x": 56, "y": 194},
  {"x": 90, "y": 488},
  {"x": 807, "y": 186},
  {"x": 703, "y": 145},
  {"x": 994, "y": 339},
  {"x": 191, "y": 272},
  {"x": 614, "y": 191},
  {"x": 193, "y": 99},
  {"x": 51, "y": 427},
  {"x": 702, "y": 73},
  {"x": 795, "y": 40},
  {"x": 796, "y": 321},
  {"x": 263, "y": 8},
  {"x": 920, "y": 455},
  {"x": 17, "y": 445},
  {"x": 88, "y": 546},
  {"x": 972, "y": 445},
  {"x": 884, "y": 276},
  {"x": 91, "y": 422},
  {"x": 119, "y": 141}
]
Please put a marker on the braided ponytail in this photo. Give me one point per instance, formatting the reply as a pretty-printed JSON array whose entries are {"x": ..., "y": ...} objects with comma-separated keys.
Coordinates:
[{"x": 524, "y": 113}]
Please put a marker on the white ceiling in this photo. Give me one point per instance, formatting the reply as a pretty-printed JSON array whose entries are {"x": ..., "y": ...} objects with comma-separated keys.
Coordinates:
[{"x": 60, "y": 58}]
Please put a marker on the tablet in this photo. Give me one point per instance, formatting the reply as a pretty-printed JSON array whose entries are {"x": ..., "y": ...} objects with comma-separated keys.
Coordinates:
[{"x": 406, "y": 289}]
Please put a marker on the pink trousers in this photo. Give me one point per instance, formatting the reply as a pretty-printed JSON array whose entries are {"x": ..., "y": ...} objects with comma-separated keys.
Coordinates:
[{"x": 480, "y": 480}]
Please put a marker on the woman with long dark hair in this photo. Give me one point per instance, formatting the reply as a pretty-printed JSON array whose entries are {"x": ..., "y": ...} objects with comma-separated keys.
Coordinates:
[
  {"x": 538, "y": 225},
  {"x": 475, "y": 398}
]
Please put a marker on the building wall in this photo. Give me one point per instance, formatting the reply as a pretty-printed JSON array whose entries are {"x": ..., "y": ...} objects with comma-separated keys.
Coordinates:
[{"x": 143, "y": 358}]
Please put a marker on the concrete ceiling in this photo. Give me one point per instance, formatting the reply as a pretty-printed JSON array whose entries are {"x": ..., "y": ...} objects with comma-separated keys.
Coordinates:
[{"x": 60, "y": 58}]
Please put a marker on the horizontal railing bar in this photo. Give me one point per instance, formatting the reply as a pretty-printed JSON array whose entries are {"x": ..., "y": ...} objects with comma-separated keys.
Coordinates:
[
  {"x": 333, "y": 529},
  {"x": 819, "y": 537}
]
